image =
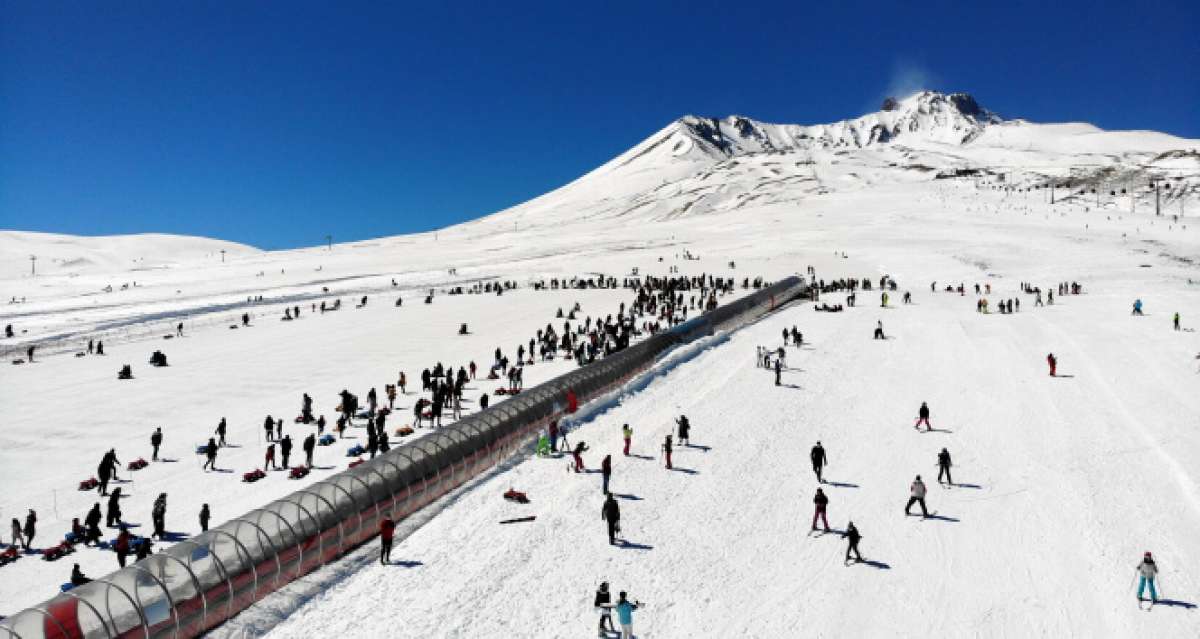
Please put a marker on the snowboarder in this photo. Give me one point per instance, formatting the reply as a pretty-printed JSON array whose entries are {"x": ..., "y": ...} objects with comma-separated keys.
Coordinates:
[
  {"x": 221, "y": 432},
  {"x": 78, "y": 578},
  {"x": 917, "y": 496},
  {"x": 605, "y": 472},
  {"x": 943, "y": 460},
  {"x": 820, "y": 501},
  {"x": 205, "y": 514},
  {"x": 159, "y": 516},
  {"x": 685, "y": 427},
  {"x": 853, "y": 538},
  {"x": 817, "y": 455},
  {"x": 666, "y": 448},
  {"x": 387, "y": 528},
  {"x": 611, "y": 513},
  {"x": 604, "y": 606},
  {"x": 627, "y": 435},
  {"x": 1053, "y": 362},
  {"x": 1147, "y": 571},
  {"x": 625, "y": 610},
  {"x": 155, "y": 442},
  {"x": 923, "y": 417},
  {"x": 210, "y": 454}
]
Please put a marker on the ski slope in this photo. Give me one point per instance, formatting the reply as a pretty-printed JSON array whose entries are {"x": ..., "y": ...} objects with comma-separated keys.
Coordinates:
[{"x": 1076, "y": 475}]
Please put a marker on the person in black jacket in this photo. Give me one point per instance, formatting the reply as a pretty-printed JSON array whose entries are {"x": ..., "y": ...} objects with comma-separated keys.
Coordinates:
[
  {"x": 611, "y": 513},
  {"x": 92, "y": 521},
  {"x": 285, "y": 449},
  {"x": 923, "y": 417},
  {"x": 112, "y": 516},
  {"x": 77, "y": 577},
  {"x": 221, "y": 432},
  {"x": 159, "y": 515},
  {"x": 853, "y": 538},
  {"x": 604, "y": 606},
  {"x": 210, "y": 454},
  {"x": 944, "y": 467},
  {"x": 30, "y": 527},
  {"x": 156, "y": 441},
  {"x": 204, "y": 517},
  {"x": 685, "y": 428},
  {"x": 310, "y": 443},
  {"x": 817, "y": 455}
]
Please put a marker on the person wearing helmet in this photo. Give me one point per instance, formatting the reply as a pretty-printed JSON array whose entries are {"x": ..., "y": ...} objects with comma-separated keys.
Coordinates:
[{"x": 1147, "y": 571}]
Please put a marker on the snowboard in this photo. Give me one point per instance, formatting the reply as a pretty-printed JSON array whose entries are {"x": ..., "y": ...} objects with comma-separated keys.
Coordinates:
[{"x": 519, "y": 519}]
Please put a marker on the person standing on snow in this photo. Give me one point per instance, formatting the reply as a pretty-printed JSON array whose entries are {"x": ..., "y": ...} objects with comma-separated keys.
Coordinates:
[
  {"x": 611, "y": 513},
  {"x": 387, "y": 528},
  {"x": 627, "y": 435},
  {"x": 917, "y": 496},
  {"x": 285, "y": 447},
  {"x": 879, "y": 330},
  {"x": 1053, "y": 362},
  {"x": 923, "y": 417},
  {"x": 603, "y": 604},
  {"x": 820, "y": 502},
  {"x": 159, "y": 516},
  {"x": 852, "y": 536},
  {"x": 1147, "y": 571},
  {"x": 205, "y": 515},
  {"x": 553, "y": 431},
  {"x": 112, "y": 514},
  {"x": 1176, "y": 321},
  {"x": 310, "y": 444},
  {"x": 606, "y": 472},
  {"x": 30, "y": 528},
  {"x": 625, "y": 610},
  {"x": 155, "y": 442},
  {"x": 666, "y": 447},
  {"x": 817, "y": 455},
  {"x": 210, "y": 453},
  {"x": 270, "y": 459},
  {"x": 578, "y": 455},
  {"x": 221, "y": 432},
  {"x": 17, "y": 536},
  {"x": 944, "y": 467}
]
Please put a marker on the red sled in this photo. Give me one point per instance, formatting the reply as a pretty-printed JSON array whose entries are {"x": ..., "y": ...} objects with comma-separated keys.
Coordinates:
[
  {"x": 138, "y": 464},
  {"x": 298, "y": 472},
  {"x": 357, "y": 462},
  {"x": 517, "y": 496},
  {"x": 57, "y": 552},
  {"x": 253, "y": 476},
  {"x": 89, "y": 484},
  {"x": 9, "y": 555}
]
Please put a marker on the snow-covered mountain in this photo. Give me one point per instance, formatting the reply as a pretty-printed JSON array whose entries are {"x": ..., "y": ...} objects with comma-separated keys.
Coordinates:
[{"x": 697, "y": 165}]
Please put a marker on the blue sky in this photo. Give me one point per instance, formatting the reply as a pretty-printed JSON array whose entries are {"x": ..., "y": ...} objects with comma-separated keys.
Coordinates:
[{"x": 274, "y": 123}]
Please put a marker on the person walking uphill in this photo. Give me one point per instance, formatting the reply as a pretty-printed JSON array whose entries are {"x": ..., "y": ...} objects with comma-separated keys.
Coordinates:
[
  {"x": 820, "y": 502},
  {"x": 387, "y": 529},
  {"x": 611, "y": 513},
  {"x": 917, "y": 496},
  {"x": 1147, "y": 571},
  {"x": 817, "y": 455}
]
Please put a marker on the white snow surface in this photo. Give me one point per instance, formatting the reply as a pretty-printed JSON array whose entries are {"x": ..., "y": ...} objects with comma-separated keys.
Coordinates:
[{"x": 1066, "y": 481}]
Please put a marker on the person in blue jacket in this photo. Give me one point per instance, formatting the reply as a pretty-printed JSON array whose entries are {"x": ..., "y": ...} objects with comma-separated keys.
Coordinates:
[{"x": 625, "y": 610}]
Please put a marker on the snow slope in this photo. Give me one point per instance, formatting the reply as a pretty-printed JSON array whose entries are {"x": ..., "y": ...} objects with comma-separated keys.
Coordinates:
[{"x": 1076, "y": 476}]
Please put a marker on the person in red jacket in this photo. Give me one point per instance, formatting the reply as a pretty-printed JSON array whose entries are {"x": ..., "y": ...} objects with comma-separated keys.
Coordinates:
[
  {"x": 121, "y": 546},
  {"x": 1053, "y": 362},
  {"x": 387, "y": 528},
  {"x": 820, "y": 502}
]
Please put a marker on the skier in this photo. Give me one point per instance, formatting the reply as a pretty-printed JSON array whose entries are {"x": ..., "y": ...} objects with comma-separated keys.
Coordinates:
[
  {"x": 156, "y": 441},
  {"x": 221, "y": 431},
  {"x": 204, "y": 517},
  {"x": 112, "y": 515},
  {"x": 387, "y": 528},
  {"x": 1053, "y": 362},
  {"x": 685, "y": 427},
  {"x": 917, "y": 496},
  {"x": 310, "y": 444},
  {"x": 159, "y": 516},
  {"x": 285, "y": 449},
  {"x": 627, "y": 435},
  {"x": 210, "y": 454},
  {"x": 30, "y": 527},
  {"x": 603, "y": 604},
  {"x": 611, "y": 513},
  {"x": 1137, "y": 307},
  {"x": 578, "y": 455},
  {"x": 666, "y": 448},
  {"x": 606, "y": 472},
  {"x": 817, "y": 455},
  {"x": 625, "y": 610},
  {"x": 853, "y": 538},
  {"x": 944, "y": 464},
  {"x": 1147, "y": 571},
  {"x": 820, "y": 502},
  {"x": 923, "y": 417}
]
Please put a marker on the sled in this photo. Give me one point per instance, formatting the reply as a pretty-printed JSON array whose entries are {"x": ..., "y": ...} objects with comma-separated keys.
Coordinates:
[
  {"x": 57, "y": 552},
  {"x": 519, "y": 519},
  {"x": 517, "y": 496},
  {"x": 326, "y": 440},
  {"x": 138, "y": 464},
  {"x": 357, "y": 462},
  {"x": 404, "y": 431},
  {"x": 9, "y": 555},
  {"x": 89, "y": 484},
  {"x": 355, "y": 450},
  {"x": 298, "y": 472},
  {"x": 66, "y": 586},
  {"x": 253, "y": 476}
]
